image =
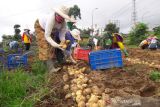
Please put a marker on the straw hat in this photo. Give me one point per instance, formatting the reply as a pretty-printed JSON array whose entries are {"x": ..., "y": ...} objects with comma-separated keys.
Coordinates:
[
  {"x": 155, "y": 37},
  {"x": 63, "y": 11},
  {"x": 76, "y": 34}
]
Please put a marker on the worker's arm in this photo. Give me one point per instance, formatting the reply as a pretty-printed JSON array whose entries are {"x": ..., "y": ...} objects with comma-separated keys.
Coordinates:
[
  {"x": 48, "y": 30},
  {"x": 121, "y": 46}
]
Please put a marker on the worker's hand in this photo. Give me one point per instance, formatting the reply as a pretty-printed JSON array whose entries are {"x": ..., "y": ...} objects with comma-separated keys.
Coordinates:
[
  {"x": 73, "y": 61},
  {"x": 61, "y": 47}
]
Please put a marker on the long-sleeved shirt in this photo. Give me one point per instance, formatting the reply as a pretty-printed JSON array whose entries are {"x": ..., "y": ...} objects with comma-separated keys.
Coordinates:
[
  {"x": 68, "y": 36},
  {"x": 49, "y": 25},
  {"x": 26, "y": 37}
]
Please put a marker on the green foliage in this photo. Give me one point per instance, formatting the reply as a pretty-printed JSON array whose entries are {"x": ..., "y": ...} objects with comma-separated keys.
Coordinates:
[
  {"x": 18, "y": 84},
  {"x": 111, "y": 28},
  {"x": 38, "y": 67},
  {"x": 138, "y": 33},
  {"x": 13, "y": 87},
  {"x": 85, "y": 32},
  {"x": 156, "y": 30},
  {"x": 155, "y": 76},
  {"x": 85, "y": 36},
  {"x": 83, "y": 42},
  {"x": 75, "y": 11}
]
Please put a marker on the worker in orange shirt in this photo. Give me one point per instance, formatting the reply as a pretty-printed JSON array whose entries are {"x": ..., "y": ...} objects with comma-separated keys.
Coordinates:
[{"x": 26, "y": 38}]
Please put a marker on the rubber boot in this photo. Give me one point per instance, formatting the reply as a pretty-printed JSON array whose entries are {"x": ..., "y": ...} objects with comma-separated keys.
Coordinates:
[{"x": 50, "y": 66}]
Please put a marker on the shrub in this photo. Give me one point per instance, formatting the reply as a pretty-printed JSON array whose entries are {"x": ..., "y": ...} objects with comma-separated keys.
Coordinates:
[
  {"x": 38, "y": 67},
  {"x": 138, "y": 33},
  {"x": 155, "y": 75}
]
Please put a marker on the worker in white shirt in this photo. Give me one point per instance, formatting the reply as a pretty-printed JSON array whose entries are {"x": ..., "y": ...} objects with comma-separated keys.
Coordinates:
[{"x": 47, "y": 29}]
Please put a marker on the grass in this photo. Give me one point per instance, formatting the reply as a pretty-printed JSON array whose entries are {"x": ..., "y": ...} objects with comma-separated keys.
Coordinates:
[
  {"x": 22, "y": 89},
  {"x": 155, "y": 76}
]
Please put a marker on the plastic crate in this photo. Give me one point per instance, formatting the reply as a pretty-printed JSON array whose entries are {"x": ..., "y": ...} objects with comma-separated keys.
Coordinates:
[
  {"x": 2, "y": 62},
  {"x": 81, "y": 54},
  {"x": 105, "y": 59},
  {"x": 16, "y": 60},
  {"x": 19, "y": 51}
]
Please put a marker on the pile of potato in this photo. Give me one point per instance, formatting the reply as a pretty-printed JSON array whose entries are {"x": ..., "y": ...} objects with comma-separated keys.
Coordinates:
[
  {"x": 139, "y": 61},
  {"x": 79, "y": 89}
]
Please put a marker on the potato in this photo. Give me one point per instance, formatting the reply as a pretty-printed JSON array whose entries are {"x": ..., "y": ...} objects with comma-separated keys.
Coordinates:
[
  {"x": 80, "y": 98},
  {"x": 93, "y": 99},
  {"x": 90, "y": 81},
  {"x": 74, "y": 88},
  {"x": 94, "y": 105},
  {"x": 66, "y": 87},
  {"x": 81, "y": 104},
  {"x": 105, "y": 96},
  {"x": 101, "y": 103},
  {"x": 65, "y": 77},
  {"x": 85, "y": 80},
  {"x": 79, "y": 92},
  {"x": 84, "y": 85},
  {"x": 80, "y": 87},
  {"x": 63, "y": 43},
  {"x": 73, "y": 94},
  {"x": 67, "y": 41},
  {"x": 88, "y": 97},
  {"x": 69, "y": 95},
  {"x": 64, "y": 46},
  {"x": 87, "y": 91},
  {"x": 71, "y": 73},
  {"x": 96, "y": 90},
  {"x": 81, "y": 76}
]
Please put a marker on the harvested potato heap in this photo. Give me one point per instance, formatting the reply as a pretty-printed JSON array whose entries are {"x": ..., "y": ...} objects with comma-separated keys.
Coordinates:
[
  {"x": 138, "y": 61},
  {"x": 81, "y": 91}
]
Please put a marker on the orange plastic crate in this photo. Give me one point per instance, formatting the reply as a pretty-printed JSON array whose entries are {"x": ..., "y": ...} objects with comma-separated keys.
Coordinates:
[{"x": 81, "y": 54}]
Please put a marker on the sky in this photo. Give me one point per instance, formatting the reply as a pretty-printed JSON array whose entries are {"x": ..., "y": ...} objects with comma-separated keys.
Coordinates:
[{"x": 25, "y": 12}]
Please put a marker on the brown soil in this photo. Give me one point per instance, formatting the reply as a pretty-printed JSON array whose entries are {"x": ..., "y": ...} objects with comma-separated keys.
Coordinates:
[{"x": 132, "y": 79}]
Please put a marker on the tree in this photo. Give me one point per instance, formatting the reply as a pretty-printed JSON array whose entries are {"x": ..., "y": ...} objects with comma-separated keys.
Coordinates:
[
  {"x": 85, "y": 32},
  {"x": 75, "y": 11},
  {"x": 138, "y": 33},
  {"x": 156, "y": 30},
  {"x": 17, "y": 35},
  {"x": 111, "y": 28}
]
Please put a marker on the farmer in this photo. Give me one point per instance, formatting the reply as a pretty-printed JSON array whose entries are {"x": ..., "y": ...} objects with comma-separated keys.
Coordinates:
[
  {"x": 26, "y": 38},
  {"x": 106, "y": 40},
  {"x": 46, "y": 29},
  {"x": 14, "y": 45},
  {"x": 153, "y": 43},
  {"x": 144, "y": 44},
  {"x": 72, "y": 37},
  {"x": 117, "y": 42}
]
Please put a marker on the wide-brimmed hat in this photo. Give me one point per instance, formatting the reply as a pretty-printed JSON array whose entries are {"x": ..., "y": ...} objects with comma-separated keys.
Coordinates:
[
  {"x": 26, "y": 28},
  {"x": 76, "y": 34},
  {"x": 63, "y": 11},
  {"x": 155, "y": 37}
]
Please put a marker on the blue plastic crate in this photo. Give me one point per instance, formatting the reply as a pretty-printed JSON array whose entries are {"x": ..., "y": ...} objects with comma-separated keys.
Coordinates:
[
  {"x": 16, "y": 60},
  {"x": 105, "y": 59}
]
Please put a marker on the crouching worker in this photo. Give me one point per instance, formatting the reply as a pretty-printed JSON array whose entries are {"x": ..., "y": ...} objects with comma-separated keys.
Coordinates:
[
  {"x": 144, "y": 44},
  {"x": 14, "y": 45},
  {"x": 46, "y": 29},
  {"x": 117, "y": 42},
  {"x": 153, "y": 43},
  {"x": 71, "y": 38}
]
